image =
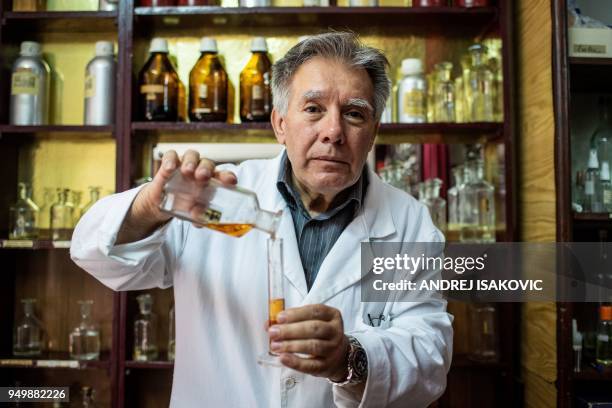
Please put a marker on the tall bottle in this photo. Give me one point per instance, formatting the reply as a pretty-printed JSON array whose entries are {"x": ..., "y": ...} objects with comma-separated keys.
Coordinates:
[
  {"x": 592, "y": 184},
  {"x": 23, "y": 215},
  {"x": 477, "y": 211},
  {"x": 208, "y": 86},
  {"x": 603, "y": 351},
  {"x": 27, "y": 340},
  {"x": 479, "y": 88},
  {"x": 435, "y": 203},
  {"x": 62, "y": 217},
  {"x": 600, "y": 140},
  {"x": 159, "y": 85},
  {"x": 444, "y": 94},
  {"x": 84, "y": 340},
  {"x": 412, "y": 93},
  {"x": 30, "y": 82},
  {"x": 255, "y": 81},
  {"x": 145, "y": 330},
  {"x": 453, "y": 198},
  {"x": 100, "y": 75},
  {"x": 483, "y": 332}
]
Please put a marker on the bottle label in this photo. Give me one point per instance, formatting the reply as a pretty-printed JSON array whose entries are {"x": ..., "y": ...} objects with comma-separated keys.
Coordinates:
[
  {"x": 589, "y": 187},
  {"x": 203, "y": 91},
  {"x": 413, "y": 102},
  {"x": 211, "y": 215},
  {"x": 24, "y": 81},
  {"x": 604, "y": 173},
  {"x": 151, "y": 90},
  {"x": 90, "y": 86},
  {"x": 257, "y": 92},
  {"x": 604, "y": 338},
  {"x": 607, "y": 197}
]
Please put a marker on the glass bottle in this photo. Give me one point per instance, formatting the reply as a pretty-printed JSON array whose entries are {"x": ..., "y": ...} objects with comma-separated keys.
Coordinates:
[
  {"x": 76, "y": 197},
  {"x": 600, "y": 140},
  {"x": 84, "y": 340},
  {"x": 171, "y": 335},
  {"x": 159, "y": 85},
  {"x": 431, "y": 79},
  {"x": 444, "y": 94},
  {"x": 363, "y": 3},
  {"x": 498, "y": 89},
  {"x": 208, "y": 86},
  {"x": 453, "y": 198},
  {"x": 477, "y": 206},
  {"x": 592, "y": 184},
  {"x": 88, "y": 395},
  {"x": 23, "y": 215},
  {"x": 483, "y": 332},
  {"x": 27, "y": 339},
  {"x": 603, "y": 353},
  {"x": 61, "y": 217},
  {"x": 435, "y": 203},
  {"x": 44, "y": 215},
  {"x": 255, "y": 91},
  {"x": 94, "y": 195},
  {"x": 479, "y": 88},
  {"x": 228, "y": 209},
  {"x": 423, "y": 192},
  {"x": 459, "y": 100},
  {"x": 412, "y": 93},
  {"x": 578, "y": 192},
  {"x": 145, "y": 330}
]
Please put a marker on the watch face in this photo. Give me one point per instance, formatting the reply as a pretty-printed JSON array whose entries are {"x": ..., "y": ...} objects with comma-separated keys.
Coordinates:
[{"x": 360, "y": 364}]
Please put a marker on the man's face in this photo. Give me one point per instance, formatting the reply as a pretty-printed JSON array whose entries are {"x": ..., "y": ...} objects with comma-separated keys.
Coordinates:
[{"x": 329, "y": 126}]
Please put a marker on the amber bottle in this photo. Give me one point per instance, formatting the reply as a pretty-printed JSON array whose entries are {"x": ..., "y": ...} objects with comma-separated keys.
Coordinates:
[
  {"x": 158, "y": 85},
  {"x": 255, "y": 81},
  {"x": 208, "y": 86}
]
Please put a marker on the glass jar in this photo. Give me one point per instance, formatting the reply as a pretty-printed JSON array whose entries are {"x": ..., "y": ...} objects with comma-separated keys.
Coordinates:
[
  {"x": 476, "y": 206},
  {"x": 255, "y": 84},
  {"x": 479, "y": 87},
  {"x": 23, "y": 215},
  {"x": 84, "y": 340},
  {"x": 28, "y": 336},
  {"x": 145, "y": 330}
]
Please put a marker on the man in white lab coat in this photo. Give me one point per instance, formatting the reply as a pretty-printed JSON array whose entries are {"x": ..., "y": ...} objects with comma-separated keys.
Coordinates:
[{"x": 329, "y": 92}]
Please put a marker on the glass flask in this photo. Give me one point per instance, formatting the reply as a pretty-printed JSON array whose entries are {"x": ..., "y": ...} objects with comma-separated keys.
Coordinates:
[
  {"x": 44, "y": 215},
  {"x": 592, "y": 184},
  {"x": 61, "y": 217},
  {"x": 435, "y": 203},
  {"x": 477, "y": 206},
  {"x": 444, "y": 94},
  {"x": 23, "y": 215},
  {"x": 84, "y": 340},
  {"x": 88, "y": 394},
  {"x": 453, "y": 198},
  {"x": 159, "y": 85},
  {"x": 225, "y": 208},
  {"x": 145, "y": 330},
  {"x": 412, "y": 93},
  {"x": 94, "y": 195},
  {"x": 255, "y": 81},
  {"x": 28, "y": 332},
  {"x": 600, "y": 140},
  {"x": 483, "y": 332},
  {"x": 171, "y": 335},
  {"x": 479, "y": 87},
  {"x": 208, "y": 86}
]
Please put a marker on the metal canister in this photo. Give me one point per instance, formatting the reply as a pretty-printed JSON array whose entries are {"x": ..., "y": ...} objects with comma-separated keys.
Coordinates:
[
  {"x": 255, "y": 3},
  {"x": 100, "y": 86},
  {"x": 108, "y": 5},
  {"x": 30, "y": 87}
]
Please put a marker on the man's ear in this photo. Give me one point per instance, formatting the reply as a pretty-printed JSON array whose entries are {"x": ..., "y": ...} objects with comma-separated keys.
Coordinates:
[{"x": 278, "y": 125}]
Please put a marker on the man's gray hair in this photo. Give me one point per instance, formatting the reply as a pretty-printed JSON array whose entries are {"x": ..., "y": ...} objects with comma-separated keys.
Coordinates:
[{"x": 342, "y": 46}]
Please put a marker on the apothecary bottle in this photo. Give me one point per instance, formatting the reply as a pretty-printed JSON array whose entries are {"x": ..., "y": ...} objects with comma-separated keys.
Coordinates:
[
  {"x": 480, "y": 87},
  {"x": 255, "y": 84},
  {"x": 158, "y": 85},
  {"x": 23, "y": 215},
  {"x": 84, "y": 340},
  {"x": 145, "y": 330},
  {"x": 444, "y": 93},
  {"x": 28, "y": 336},
  {"x": 208, "y": 85},
  {"x": 62, "y": 216},
  {"x": 477, "y": 206},
  {"x": 435, "y": 203}
]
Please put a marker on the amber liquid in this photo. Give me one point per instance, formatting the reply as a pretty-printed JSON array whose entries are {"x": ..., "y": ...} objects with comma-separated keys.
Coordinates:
[
  {"x": 235, "y": 230},
  {"x": 158, "y": 89},
  {"x": 255, "y": 91},
  {"x": 275, "y": 306},
  {"x": 208, "y": 90}
]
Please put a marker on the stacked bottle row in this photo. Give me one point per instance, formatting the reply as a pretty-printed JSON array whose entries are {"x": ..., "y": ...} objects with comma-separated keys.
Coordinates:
[
  {"x": 54, "y": 220},
  {"x": 474, "y": 96},
  {"x": 594, "y": 347},
  {"x": 315, "y": 3},
  {"x": 30, "y": 86}
]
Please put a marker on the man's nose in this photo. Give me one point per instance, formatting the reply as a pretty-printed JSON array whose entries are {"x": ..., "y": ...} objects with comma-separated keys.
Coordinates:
[{"x": 332, "y": 128}]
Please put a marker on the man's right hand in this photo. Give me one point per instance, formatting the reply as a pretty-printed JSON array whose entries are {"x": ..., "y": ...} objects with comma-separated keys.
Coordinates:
[{"x": 144, "y": 215}]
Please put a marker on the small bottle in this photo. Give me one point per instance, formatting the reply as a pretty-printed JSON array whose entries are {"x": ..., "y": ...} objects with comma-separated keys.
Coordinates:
[
  {"x": 435, "y": 203},
  {"x": 453, "y": 198},
  {"x": 412, "y": 93},
  {"x": 75, "y": 203},
  {"x": 30, "y": 81},
  {"x": 255, "y": 91},
  {"x": 27, "y": 341},
  {"x": 23, "y": 215},
  {"x": 108, "y": 5},
  {"x": 171, "y": 335},
  {"x": 145, "y": 330},
  {"x": 88, "y": 395},
  {"x": 603, "y": 353},
  {"x": 100, "y": 75},
  {"x": 255, "y": 3},
  {"x": 477, "y": 206},
  {"x": 159, "y": 85},
  {"x": 592, "y": 185},
  {"x": 94, "y": 196},
  {"x": 44, "y": 215},
  {"x": 483, "y": 331},
  {"x": 479, "y": 87},
  {"x": 228, "y": 209},
  {"x": 84, "y": 340},
  {"x": 444, "y": 94},
  {"x": 61, "y": 217},
  {"x": 208, "y": 86}
]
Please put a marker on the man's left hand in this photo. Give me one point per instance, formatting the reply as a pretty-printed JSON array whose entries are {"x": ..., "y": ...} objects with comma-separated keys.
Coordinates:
[{"x": 315, "y": 330}]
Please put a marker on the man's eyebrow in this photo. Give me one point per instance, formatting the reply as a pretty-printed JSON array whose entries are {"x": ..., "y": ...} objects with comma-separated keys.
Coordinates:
[
  {"x": 360, "y": 103},
  {"x": 308, "y": 95}
]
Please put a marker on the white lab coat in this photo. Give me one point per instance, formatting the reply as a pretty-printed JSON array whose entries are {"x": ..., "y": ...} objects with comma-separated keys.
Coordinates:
[{"x": 220, "y": 291}]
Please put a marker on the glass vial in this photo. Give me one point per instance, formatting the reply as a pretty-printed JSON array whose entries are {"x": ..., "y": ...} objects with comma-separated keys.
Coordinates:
[
  {"x": 412, "y": 93},
  {"x": 62, "y": 213},
  {"x": 84, "y": 340},
  {"x": 100, "y": 75},
  {"x": 444, "y": 94},
  {"x": 477, "y": 206},
  {"x": 23, "y": 215},
  {"x": 603, "y": 352},
  {"x": 30, "y": 81},
  {"x": 255, "y": 91},
  {"x": 145, "y": 330},
  {"x": 159, "y": 85},
  {"x": 208, "y": 86},
  {"x": 27, "y": 339},
  {"x": 479, "y": 87},
  {"x": 483, "y": 332},
  {"x": 171, "y": 335}
]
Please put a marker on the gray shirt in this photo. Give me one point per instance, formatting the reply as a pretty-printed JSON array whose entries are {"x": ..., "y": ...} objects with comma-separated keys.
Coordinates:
[{"x": 316, "y": 236}]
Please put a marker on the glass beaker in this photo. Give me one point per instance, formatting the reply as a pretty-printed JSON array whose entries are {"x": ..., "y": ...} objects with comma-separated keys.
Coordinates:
[
  {"x": 145, "y": 330},
  {"x": 23, "y": 215},
  {"x": 84, "y": 340},
  {"x": 27, "y": 339}
]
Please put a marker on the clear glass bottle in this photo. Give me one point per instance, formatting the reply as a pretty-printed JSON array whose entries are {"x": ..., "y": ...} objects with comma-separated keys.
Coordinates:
[
  {"x": 28, "y": 336},
  {"x": 431, "y": 79},
  {"x": 459, "y": 100},
  {"x": 159, "y": 85},
  {"x": 412, "y": 93},
  {"x": 208, "y": 85},
  {"x": 228, "y": 209},
  {"x": 23, "y": 215},
  {"x": 600, "y": 140},
  {"x": 94, "y": 196},
  {"x": 477, "y": 206},
  {"x": 444, "y": 94},
  {"x": 423, "y": 192},
  {"x": 592, "y": 184},
  {"x": 435, "y": 203},
  {"x": 61, "y": 217},
  {"x": 76, "y": 197},
  {"x": 88, "y": 394},
  {"x": 479, "y": 88},
  {"x": 44, "y": 215},
  {"x": 84, "y": 340},
  {"x": 483, "y": 332},
  {"x": 171, "y": 335},
  {"x": 578, "y": 192},
  {"x": 603, "y": 353},
  {"x": 255, "y": 84},
  {"x": 145, "y": 330},
  {"x": 498, "y": 89},
  {"x": 453, "y": 198}
]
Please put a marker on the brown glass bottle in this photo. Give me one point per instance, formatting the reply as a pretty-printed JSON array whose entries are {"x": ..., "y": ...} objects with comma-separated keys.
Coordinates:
[
  {"x": 208, "y": 86},
  {"x": 158, "y": 85},
  {"x": 255, "y": 78}
]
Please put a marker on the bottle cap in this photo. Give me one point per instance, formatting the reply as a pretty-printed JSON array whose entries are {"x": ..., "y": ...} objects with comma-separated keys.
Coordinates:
[
  {"x": 105, "y": 49},
  {"x": 593, "y": 162},
  {"x": 258, "y": 44},
  {"x": 412, "y": 66},
  {"x": 30, "y": 49},
  {"x": 605, "y": 313},
  {"x": 208, "y": 44},
  {"x": 159, "y": 45}
]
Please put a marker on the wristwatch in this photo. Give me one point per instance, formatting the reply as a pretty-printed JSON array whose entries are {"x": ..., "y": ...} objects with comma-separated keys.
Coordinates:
[{"x": 357, "y": 364}]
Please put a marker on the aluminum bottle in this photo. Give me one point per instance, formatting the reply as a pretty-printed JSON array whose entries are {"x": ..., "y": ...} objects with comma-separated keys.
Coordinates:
[
  {"x": 255, "y": 3},
  {"x": 412, "y": 93},
  {"x": 108, "y": 5},
  {"x": 30, "y": 87},
  {"x": 100, "y": 86}
]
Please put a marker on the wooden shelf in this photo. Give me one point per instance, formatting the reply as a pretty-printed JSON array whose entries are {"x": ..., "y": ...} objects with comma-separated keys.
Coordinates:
[
  {"x": 590, "y": 61},
  {"x": 33, "y": 244},
  {"x": 464, "y": 362},
  {"x": 60, "y": 21},
  {"x": 598, "y": 217},
  {"x": 55, "y": 360},
  {"x": 158, "y": 365},
  {"x": 591, "y": 374},
  {"x": 61, "y": 130}
]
